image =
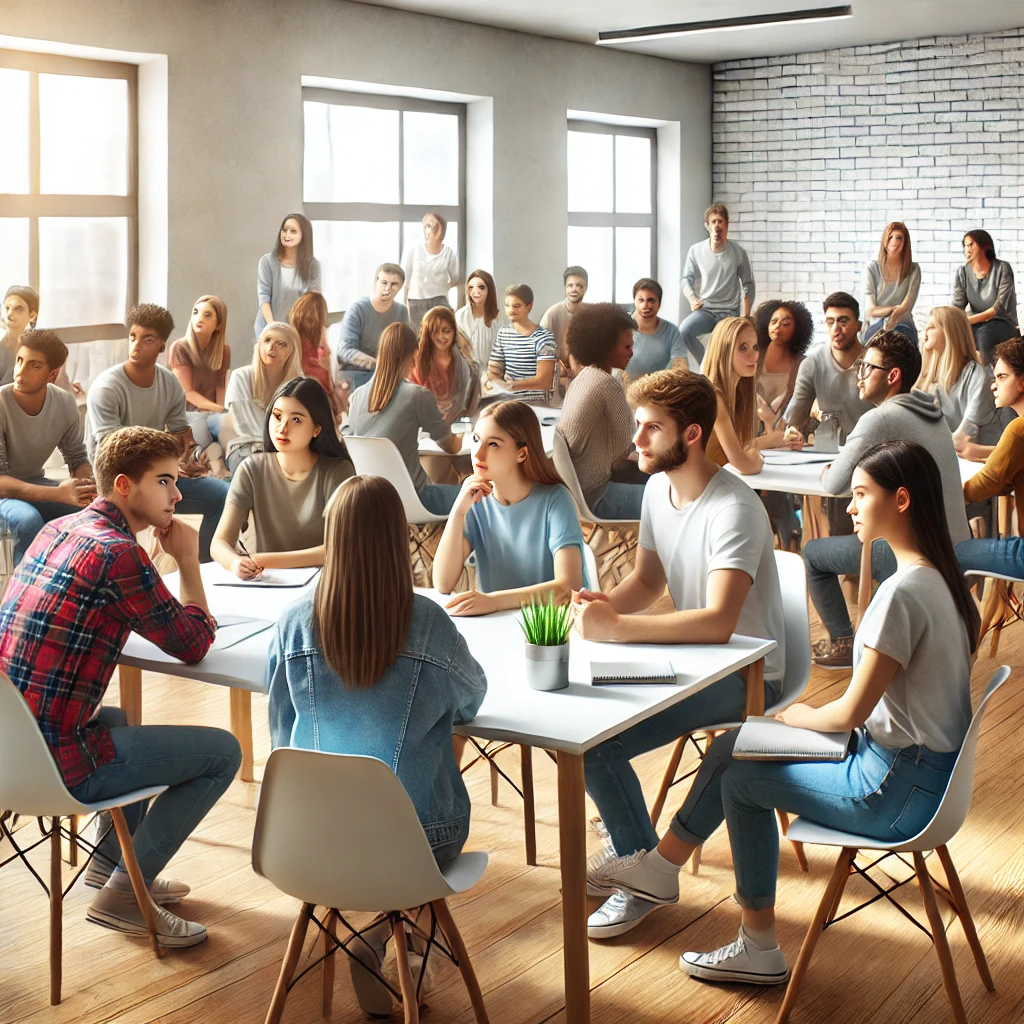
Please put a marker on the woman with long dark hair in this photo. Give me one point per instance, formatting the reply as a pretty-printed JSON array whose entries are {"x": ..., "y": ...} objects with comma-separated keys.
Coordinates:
[
  {"x": 480, "y": 319},
  {"x": 908, "y": 705},
  {"x": 286, "y": 487},
  {"x": 287, "y": 272},
  {"x": 985, "y": 284},
  {"x": 443, "y": 368}
]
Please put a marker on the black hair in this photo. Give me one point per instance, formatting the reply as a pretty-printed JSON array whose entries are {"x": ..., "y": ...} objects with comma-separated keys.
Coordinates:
[
  {"x": 156, "y": 318},
  {"x": 575, "y": 271},
  {"x": 899, "y": 353},
  {"x": 841, "y": 300},
  {"x": 48, "y": 345},
  {"x": 984, "y": 239},
  {"x": 310, "y": 392},
  {"x": 594, "y": 330},
  {"x": 648, "y": 284},
  {"x": 803, "y": 330},
  {"x": 896, "y": 464}
]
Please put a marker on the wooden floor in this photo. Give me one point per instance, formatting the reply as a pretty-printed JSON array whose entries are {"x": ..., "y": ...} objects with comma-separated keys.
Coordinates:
[{"x": 875, "y": 967}]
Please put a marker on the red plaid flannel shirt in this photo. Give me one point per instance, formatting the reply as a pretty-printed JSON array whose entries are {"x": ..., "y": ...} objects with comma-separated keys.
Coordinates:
[{"x": 81, "y": 588}]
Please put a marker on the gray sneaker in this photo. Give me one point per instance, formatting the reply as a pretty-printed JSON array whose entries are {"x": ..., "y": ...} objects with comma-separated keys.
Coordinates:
[
  {"x": 836, "y": 655},
  {"x": 120, "y": 912},
  {"x": 739, "y": 961},
  {"x": 163, "y": 890},
  {"x": 620, "y": 913},
  {"x": 369, "y": 948}
]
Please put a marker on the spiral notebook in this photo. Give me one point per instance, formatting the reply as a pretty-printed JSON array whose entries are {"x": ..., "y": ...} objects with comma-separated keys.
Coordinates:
[
  {"x": 628, "y": 673},
  {"x": 767, "y": 739}
]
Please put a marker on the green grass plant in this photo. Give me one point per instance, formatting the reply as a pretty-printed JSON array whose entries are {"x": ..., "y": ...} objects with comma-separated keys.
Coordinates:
[{"x": 545, "y": 623}]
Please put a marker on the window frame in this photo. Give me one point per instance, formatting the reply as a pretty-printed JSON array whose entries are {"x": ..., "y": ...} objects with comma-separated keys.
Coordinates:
[
  {"x": 36, "y": 204},
  {"x": 400, "y": 212},
  {"x": 620, "y": 220}
]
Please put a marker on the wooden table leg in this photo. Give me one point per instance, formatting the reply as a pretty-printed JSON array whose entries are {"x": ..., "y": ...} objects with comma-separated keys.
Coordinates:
[
  {"x": 755, "y": 689},
  {"x": 865, "y": 583},
  {"x": 129, "y": 682},
  {"x": 573, "y": 860},
  {"x": 241, "y": 726}
]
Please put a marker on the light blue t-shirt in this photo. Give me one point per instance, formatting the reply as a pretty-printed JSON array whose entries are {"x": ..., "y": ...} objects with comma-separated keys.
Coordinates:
[
  {"x": 515, "y": 545},
  {"x": 655, "y": 351}
]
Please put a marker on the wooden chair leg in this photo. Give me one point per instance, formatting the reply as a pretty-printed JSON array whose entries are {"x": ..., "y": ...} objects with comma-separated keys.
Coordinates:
[
  {"x": 667, "y": 779},
  {"x": 964, "y": 913},
  {"x": 529, "y": 808},
  {"x": 288, "y": 965},
  {"x": 817, "y": 926},
  {"x": 454, "y": 937},
  {"x": 798, "y": 848},
  {"x": 327, "y": 980},
  {"x": 834, "y": 909},
  {"x": 408, "y": 985},
  {"x": 989, "y": 606},
  {"x": 939, "y": 940},
  {"x": 73, "y": 841},
  {"x": 695, "y": 861},
  {"x": 56, "y": 913},
  {"x": 142, "y": 896},
  {"x": 494, "y": 782}
]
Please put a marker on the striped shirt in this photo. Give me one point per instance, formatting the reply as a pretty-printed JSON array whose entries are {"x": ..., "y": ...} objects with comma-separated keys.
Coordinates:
[{"x": 519, "y": 355}]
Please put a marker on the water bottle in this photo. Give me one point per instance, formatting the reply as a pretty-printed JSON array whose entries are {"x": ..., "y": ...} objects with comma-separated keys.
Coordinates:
[
  {"x": 6, "y": 556},
  {"x": 826, "y": 437}
]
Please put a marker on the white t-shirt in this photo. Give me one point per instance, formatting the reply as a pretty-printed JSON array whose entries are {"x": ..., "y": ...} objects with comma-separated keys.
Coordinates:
[
  {"x": 912, "y": 619},
  {"x": 429, "y": 275},
  {"x": 725, "y": 528}
]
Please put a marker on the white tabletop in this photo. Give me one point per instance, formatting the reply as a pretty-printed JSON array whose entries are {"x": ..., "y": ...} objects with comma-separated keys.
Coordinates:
[
  {"x": 548, "y": 418},
  {"x": 573, "y": 720}
]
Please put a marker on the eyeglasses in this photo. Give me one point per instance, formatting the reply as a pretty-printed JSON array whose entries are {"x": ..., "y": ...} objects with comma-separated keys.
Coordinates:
[{"x": 863, "y": 368}]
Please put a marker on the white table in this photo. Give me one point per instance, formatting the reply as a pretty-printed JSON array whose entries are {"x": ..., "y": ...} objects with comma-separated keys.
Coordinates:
[
  {"x": 548, "y": 418},
  {"x": 569, "y": 722}
]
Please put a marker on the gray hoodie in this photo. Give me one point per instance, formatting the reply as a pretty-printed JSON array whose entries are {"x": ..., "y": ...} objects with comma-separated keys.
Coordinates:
[{"x": 916, "y": 416}]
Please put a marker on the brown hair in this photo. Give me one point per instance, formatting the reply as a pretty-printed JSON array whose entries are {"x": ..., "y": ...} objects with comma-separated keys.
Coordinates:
[
  {"x": 491, "y": 302},
  {"x": 152, "y": 316},
  {"x": 48, "y": 345},
  {"x": 440, "y": 220},
  {"x": 131, "y": 451},
  {"x": 213, "y": 357},
  {"x": 594, "y": 331},
  {"x": 523, "y": 292},
  {"x": 905, "y": 257},
  {"x": 309, "y": 317},
  {"x": 1012, "y": 353},
  {"x": 520, "y": 422},
  {"x": 720, "y": 209},
  {"x": 739, "y": 393},
  {"x": 397, "y": 342},
  {"x": 687, "y": 397},
  {"x": 29, "y": 295},
  {"x": 363, "y": 602},
  {"x": 430, "y": 322},
  {"x": 389, "y": 268},
  {"x": 304, "y": 250}
]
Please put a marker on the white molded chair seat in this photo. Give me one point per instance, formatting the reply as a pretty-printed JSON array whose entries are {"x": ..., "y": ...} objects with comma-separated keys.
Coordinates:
[
  {"x": 983, "y": 574},
  {"x": 563, "y": 464},
  {"x": 378, "y": 456}
]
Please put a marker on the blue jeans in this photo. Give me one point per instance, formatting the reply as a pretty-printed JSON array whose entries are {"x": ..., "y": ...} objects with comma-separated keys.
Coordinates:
[
  {"x": 908, "y": 331},
  {"x": 203, "y": 495},
  {"x": 439, "y": 498},
  {"x": 700, "y": 321},
  {"x": 26, "y": 518},
  {"x": 877, "y": 791},
  {"x": 1005, "y": 557},
  {"x": 205, "y": 426},
  {"x": 617, "y": 501},
  {"x": 826, "y": 559},
  {"x": 611, "y": 780},
  {"x": 990, "y": 334},
  {"x": 197, "y": 763}
]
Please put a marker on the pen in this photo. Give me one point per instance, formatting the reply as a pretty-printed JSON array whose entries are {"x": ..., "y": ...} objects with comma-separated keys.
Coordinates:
[{"x": 247, "y": 555}]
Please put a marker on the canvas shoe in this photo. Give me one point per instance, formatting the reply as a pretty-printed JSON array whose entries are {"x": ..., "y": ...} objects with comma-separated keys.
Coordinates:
[
  {"x": 620, "y": 913},
  {"x": 120, "y": 912},
  {"x": 369, "y": 948},
  {"x": 163, "y": 890},
  {"x": 739, "y": 961},
  {"x": 635, "y": 875},
  {"x": 596, "y": 885},
  {"x": 835, "y": 655}
]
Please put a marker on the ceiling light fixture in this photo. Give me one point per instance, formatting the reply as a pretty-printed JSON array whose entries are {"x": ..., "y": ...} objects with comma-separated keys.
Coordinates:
[{"x": 650, "y": 32}]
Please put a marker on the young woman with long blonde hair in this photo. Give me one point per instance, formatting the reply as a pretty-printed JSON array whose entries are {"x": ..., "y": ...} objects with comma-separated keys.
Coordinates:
[{"x": 891, "y": 284}]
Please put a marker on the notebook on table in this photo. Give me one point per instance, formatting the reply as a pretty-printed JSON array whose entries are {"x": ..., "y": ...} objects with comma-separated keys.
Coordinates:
[
  {"x": 292, "y": 578},
  {"x": 629, "y": 673},
  {"x": 767, "y": 739}
]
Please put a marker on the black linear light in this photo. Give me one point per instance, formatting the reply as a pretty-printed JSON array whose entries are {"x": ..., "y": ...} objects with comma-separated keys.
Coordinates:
[{"x": 639, "y": 35}]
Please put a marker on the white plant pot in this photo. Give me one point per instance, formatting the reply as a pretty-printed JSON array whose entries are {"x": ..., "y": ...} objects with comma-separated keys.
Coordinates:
[{"x": 547, "y": 668}]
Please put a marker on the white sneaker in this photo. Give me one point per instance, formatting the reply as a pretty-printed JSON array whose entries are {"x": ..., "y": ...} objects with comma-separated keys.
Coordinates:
[
  {"x": 596, "y": 885},
  {"x": 369, "y": 949},
  {"x": 120, "y": 912},
  {"x": 636, "y": 875},
  {"x": 620, "y": 913},
  {"x": 739, "y": 961},
  {"x": 163, "y": 890}
]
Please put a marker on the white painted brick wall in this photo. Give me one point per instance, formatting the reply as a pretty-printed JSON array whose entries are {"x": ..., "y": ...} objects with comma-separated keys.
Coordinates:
[{"x": 815, "y": 153}]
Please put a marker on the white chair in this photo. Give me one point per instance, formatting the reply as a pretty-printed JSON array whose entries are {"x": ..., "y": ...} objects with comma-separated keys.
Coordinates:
[
  {"x": 939, "y": 831},
  {"x": 340, "y": 832},
  {"x": 796, "y": 674},
  {"x": 31, "y": 784},
  {"x": 998, "y": 597}
]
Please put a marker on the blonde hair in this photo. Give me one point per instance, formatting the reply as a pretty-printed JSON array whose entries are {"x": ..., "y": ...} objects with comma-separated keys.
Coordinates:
[
  {"x": 397, "y": 342},
  {"x": 738, "y": 393},
  {"x": 520, "y": 422},
  {"x": 213, "y": 357},
  {"x": 363, "y": 603},
  {"x": 905, "y": 257},
  {"x": 262, "y": 389},
  {"x": 943, "y": 369}
]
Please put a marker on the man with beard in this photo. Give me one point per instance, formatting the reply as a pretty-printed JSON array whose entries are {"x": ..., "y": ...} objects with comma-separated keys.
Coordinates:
[{"x": 705, "y": 534}]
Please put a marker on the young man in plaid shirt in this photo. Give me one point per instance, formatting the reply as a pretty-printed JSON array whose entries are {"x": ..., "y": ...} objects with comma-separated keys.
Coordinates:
[{"x": 82, "y": 587}]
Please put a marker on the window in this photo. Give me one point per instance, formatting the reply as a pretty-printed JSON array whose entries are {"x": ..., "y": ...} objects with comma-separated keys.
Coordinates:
[
  {"x": 372, "y": 167},
  {"x": 68, "y": 189},
  {"x": 612, "y": 189}
]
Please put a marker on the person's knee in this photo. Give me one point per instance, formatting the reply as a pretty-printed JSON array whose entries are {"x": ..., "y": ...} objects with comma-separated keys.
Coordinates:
[{"x": 227, "y": 751}]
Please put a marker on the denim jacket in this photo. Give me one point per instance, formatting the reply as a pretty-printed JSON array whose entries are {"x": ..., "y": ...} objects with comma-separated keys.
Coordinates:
[{"x": 405, "y": 720}]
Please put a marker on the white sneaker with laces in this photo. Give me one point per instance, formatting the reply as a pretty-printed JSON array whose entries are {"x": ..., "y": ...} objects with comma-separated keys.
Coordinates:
[
  {"x": 739, "y": 961},
  {"x": 596, "y": 886},
  {"x": 620, "y": 913},
  {"x": 636, "y": 876}
]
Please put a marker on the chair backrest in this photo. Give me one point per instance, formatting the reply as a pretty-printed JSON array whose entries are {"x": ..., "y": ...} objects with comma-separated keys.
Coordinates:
[
  {"x": 378, "y": 456},
  {"x": 340, "y": 831},
  {"x": 30, "y": 782},
  {"x": 590, "y": 573},
  {"x": 957, "y": 798},
  {"x": 567, "y": 471},
  {"x": 793, "y": 583}
]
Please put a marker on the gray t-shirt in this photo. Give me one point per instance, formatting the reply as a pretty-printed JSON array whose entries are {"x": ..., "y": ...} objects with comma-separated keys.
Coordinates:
[
  {"x": 913, "y": 620},
  {"x": 361, "y": 329},
  {"x": 969, "y": 407},
  {"x": 720, "y": 279},
  {"x": 26, "y": 442},
  {"x": 246, "y": 413},
  {"x": 725, "y": 528},
  {"x": 879, "y": 292},
  {"x": 114, "y": 402},
  {"x": 652, "y": 352},
  {"x": 995, "y": 289},
  {"x": 289, "y": 514},
  {"x": 411, "y": 409},
  {"x": 821, "y": 377}
]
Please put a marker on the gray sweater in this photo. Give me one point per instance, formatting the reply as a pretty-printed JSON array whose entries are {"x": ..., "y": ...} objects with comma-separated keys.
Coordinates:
[
  {"x": 821, "y": 377},
  {"x": 968, "y": 405},
  {"x": 995, "y": 290},
  {"x": 918, "y": 417}
]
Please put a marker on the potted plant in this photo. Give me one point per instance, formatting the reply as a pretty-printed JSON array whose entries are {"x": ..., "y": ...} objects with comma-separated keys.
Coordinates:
[{"x": 546, "y": 628}]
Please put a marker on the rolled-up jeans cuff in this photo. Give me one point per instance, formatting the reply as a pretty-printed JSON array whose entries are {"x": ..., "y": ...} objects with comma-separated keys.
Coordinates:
[
  {"x": 754, "y": 902},
  {"x": 680, "y": 832}
]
